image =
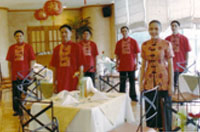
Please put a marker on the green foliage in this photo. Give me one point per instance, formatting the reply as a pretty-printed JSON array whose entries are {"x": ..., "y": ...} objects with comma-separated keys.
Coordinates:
[{"x": 79, "y": 24}]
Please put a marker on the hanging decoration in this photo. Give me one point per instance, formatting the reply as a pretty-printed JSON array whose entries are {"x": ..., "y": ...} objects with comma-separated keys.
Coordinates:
[
  {"x": 40, "y": 15},
  {"x": 53, "y": 8}
]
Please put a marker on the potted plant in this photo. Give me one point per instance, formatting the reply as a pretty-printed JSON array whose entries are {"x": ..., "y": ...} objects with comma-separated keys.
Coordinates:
[{"x": 78, "y": 25}]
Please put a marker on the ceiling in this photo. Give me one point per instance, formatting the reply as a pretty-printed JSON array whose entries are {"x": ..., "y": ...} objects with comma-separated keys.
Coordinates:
[{"x": 35, "y": 4}]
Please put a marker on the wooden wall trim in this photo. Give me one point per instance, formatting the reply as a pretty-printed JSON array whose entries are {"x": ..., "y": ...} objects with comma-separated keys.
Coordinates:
[
  {"x": 4, "y": 8},
  {"x": 33, "y": 10},
  {"x": 65, "y": 9}
]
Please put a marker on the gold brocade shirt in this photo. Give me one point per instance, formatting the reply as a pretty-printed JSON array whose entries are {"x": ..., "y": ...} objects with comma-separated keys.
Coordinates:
[{"x": 156, "y": 55}]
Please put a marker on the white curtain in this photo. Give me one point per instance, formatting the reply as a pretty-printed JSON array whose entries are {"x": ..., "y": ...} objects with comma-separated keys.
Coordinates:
[
  {"x": 136, "y": 10},
  {"x": 121, "y": 13},
  {"x": 181, "y": 10},
  {"x": 157, "y": 10},
  {"x": 139, "y": 12},
  {"x": 196, "y": 13}
]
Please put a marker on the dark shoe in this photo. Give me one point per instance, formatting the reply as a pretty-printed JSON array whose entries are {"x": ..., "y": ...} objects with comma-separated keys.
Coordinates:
[{"x": 15, "y": 114}]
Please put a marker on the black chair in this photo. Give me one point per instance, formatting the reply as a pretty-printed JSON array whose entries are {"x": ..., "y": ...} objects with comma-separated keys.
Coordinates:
[
  {"x": 26, "y": 117},
  {"x": 151, "y": 103},
  {"x": 31, "y": 78}
]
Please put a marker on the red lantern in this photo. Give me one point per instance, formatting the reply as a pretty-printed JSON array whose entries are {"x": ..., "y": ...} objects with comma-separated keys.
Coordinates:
[
  {"x": 53, "y": 7},
  {"x": 40, "y": 15}
]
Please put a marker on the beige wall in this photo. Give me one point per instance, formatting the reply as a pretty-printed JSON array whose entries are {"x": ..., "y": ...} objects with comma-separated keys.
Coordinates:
[
  {"x": 4, "y": 43},
  {"x": 23, "y": 19},
  {"x": 113, "y": 33},
  {"x": 102, "y": 29}
]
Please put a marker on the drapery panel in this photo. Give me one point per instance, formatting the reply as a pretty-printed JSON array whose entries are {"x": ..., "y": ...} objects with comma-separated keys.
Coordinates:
[{"x": 139, "y": 12}]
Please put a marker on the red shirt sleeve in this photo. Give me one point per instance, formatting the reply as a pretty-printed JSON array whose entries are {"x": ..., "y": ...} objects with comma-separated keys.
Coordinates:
[
  {"x": 9, "y": 56},
  {"x": 136, "y": 47},
  {"x": 169, "y": 51},
  {"x": 54, "y": 61},
  {"x": 187, "y": 45},
  {"x": 31, "y": 53},
  {"x": 168, "y": 38},
  {"x": 117, "y": 49},
  {"x": 95, "y": 50},
  {"x": 80, "y": 55}
]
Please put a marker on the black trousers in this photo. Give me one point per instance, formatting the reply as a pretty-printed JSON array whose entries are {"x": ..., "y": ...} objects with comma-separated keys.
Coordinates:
[
  {"x": 163, "y": 110},
  {"x": 123, "y": 78},
  {"x": 16, "y": 95},
  {"x": 176, "y": 76},
  {"x": 90, "y": 74}
]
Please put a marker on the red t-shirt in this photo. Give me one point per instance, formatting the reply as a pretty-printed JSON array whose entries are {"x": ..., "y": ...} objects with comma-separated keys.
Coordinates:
[
  {"x": 180, "y": 46},
  {"x": 20, "y": 56},
  {"x": 126, "y": 50},
  {"x": 90, "y": 52},
  {"x": 66, "y": 59}
]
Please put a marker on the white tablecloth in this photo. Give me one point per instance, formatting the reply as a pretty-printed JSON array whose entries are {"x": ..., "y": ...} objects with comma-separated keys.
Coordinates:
[
  {"x": 96, "y": 116},
  {"x": 189, "y": 84}
]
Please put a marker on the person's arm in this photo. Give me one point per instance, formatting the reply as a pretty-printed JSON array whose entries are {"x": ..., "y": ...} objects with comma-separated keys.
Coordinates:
[
  {"x": 117, "y": 62},
  {"x": 171, "y": 75},
  {"x": 95, "y": 63},
  {"x": 32, "y": 63},
  {"x": 187, "y": 58},
  {"x": 142, "y": 73},
  {"x": 54, "y": 81},
  {"x": 9, "y": 70},
  {"x": 136, "y": 63}
]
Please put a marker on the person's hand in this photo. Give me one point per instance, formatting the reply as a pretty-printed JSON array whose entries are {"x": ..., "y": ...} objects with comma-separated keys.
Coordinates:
[
  {"x": 170, "y": 93},
  {"x": 141, "y": 87},
  {"x": 55, "y": 88},
  {"x": 170, "y": 89},
  {"x": 136, "y": 67},
  {"x": 117, "y": 67}
]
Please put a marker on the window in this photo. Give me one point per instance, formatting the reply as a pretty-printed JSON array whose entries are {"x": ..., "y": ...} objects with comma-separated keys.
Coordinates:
[{"x": 44, "y": 38}]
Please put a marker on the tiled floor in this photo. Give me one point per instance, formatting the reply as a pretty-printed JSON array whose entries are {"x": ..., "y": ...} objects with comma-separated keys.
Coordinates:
[{"x": 8, "y": 123}]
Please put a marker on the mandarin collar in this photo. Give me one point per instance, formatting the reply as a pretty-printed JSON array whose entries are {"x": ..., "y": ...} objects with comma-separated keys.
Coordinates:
[
  {"x": 66, "y": 43},
  {"x": 20, "y": 44},
  {"x": 85, "y": 41},
  {"x": 126, "y": 38},
  {"x": 155, "y": 40},
  {"x": 176, "y": 35}
]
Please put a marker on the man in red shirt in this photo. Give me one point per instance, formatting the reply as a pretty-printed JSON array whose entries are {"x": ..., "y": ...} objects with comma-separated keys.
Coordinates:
[
  {"x": 127, "y": 59},
  {"x": 66, "y": 61},
  {"x": 20, "y": 58},
  {"x": 90, "y": 52},
  {"x": 181, "y": 47}
]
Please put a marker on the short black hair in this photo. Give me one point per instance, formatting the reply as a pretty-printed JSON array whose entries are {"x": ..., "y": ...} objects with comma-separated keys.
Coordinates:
[
  {"x": 124, "y": 27},
  {"x": 87, "y": 30},
  {"x": 65, "y": 26},
  {"x": 175, "y": 21},
  {"x": 18, "y": 31},
  {"x": 155, "y": 21}
]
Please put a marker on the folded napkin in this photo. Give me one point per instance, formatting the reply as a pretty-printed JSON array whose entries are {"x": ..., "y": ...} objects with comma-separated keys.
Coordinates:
[
  {"x": 99, "y": 96},
  {"x": 69, "y": 100},
  {"x": 60, "y": 97}
]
